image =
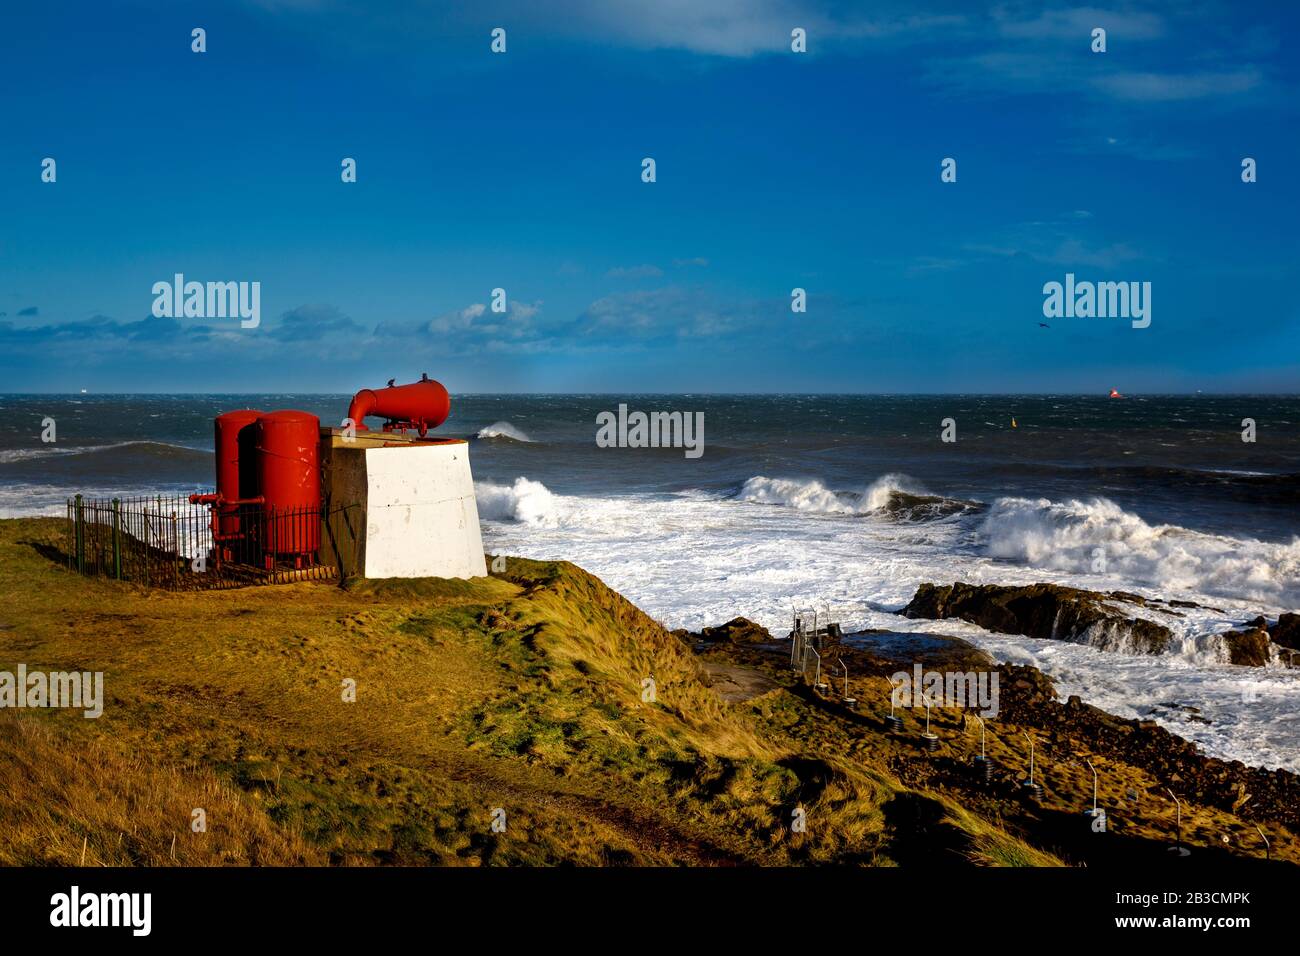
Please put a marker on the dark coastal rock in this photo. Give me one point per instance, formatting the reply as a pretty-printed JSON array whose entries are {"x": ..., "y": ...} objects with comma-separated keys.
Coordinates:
[
  {"x": 1074, "y": 726},
  {"x": 739, "y": 630},
  {"x": 909, "y": 507},
  {"x": 1286, "y": 631},
  {"x": 934, "y": 651},
  {"x": 1256, "y": 642},
  {"x": 1064, "y": 728},
  {"x": 1249, "y": 647},
  {"x": 1024, "y": 689},
  {"x": 1049, "y": 611}
]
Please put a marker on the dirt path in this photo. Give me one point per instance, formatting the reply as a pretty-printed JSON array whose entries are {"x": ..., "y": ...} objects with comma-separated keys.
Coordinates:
[
  {"x": 735, "y": 683},
  {"x": 640, "y": 826}
]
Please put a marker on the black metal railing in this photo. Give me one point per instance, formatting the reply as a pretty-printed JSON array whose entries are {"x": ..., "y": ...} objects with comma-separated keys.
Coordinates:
[{"x": 173, "y": 543}]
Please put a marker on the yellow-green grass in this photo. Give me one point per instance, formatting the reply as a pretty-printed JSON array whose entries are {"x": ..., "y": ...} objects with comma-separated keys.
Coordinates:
[{"x": 521, "y": 692}]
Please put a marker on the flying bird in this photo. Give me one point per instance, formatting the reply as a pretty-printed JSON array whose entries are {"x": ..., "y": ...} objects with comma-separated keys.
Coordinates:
[{"x": 1043, "y": 325}]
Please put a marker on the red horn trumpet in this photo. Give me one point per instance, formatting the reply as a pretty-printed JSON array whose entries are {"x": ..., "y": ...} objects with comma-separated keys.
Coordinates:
[{"x": 421, "y": 405}]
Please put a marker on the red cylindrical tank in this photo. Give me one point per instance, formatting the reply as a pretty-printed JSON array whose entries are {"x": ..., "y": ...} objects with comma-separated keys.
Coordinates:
[
  {"x": 288, "y": 470},
  {"x": 235, "y": 447},
  {"x": 422, "y": 405}
]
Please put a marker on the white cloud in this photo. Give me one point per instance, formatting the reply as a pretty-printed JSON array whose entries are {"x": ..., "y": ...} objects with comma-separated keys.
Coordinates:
[
  {"x": 1062, "y": 242},
  {"x": 1077, "y": 24},
  {"x": 671, "y": 311},
  {"x": 735, "y": 28},
  {"x": 1168, "y": 87},
  {"x": 455, "y": 321},
  {"x": 524, "y": 311},
  {"x": 725, "y": 28}
]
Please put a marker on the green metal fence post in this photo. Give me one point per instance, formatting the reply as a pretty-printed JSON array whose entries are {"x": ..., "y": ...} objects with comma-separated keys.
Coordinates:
[
  {"x": 148, "y": 532},
  {"x": 117, "y": 539},
  {"x": 81, "y": 538}
]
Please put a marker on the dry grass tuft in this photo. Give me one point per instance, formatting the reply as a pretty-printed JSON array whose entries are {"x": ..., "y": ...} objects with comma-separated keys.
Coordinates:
[{"x": 73, "y": 802}]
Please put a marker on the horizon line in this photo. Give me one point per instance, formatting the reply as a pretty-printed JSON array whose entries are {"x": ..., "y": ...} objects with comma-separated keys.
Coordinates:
[{"x": 602, "y": 394}]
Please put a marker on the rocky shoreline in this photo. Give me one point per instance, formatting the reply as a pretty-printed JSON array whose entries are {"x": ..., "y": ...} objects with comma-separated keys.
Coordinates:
[
  {"x": 1029, "y": 698},
  {"x": 1099, "y": 619}
]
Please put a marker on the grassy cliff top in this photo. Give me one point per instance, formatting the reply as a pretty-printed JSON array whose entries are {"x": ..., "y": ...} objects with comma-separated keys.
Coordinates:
[{"x": 522, "y": 692}]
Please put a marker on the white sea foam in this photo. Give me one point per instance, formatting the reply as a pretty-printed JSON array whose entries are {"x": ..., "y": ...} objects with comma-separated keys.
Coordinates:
[
  {"x": 880, "y": 491},
  {"x": 46, "y": 451},
  {"x": 54, "y": 449},
  {"x": 813, "y": 496},
  {"x": 526, "y": 502},
  {"x": 801, "y": 495},
  {"x": 699, "y": 558},
  {"x": 1074, "y": 535},
  {"x": 49, "y": 501},
  {"x": 503, "y": 430}
]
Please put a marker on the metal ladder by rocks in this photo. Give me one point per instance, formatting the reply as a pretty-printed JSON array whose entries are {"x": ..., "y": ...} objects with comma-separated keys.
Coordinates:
[{"x": 808, "y": 638}]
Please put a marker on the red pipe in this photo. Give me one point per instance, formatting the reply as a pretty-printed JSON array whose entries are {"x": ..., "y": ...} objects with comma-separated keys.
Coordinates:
[
  {"x": 421, "y": 405},
  {"x": 211, "y": 499}
]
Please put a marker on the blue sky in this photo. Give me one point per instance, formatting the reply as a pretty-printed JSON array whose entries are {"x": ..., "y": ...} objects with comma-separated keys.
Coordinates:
[{"x": 522, "y": 171}]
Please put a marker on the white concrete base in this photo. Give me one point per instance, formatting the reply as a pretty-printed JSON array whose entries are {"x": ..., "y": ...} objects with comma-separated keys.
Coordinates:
[{"x": 421, "y": 518}]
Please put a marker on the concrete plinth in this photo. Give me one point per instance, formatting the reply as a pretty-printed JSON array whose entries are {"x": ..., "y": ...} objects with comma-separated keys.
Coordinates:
[{"x": 418, "y": 516}]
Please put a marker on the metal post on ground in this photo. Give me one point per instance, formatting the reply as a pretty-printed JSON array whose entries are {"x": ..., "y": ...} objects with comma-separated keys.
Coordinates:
[
  {"x": 931, "y": 740},
  {"x": 81, "y": 537},
  {"x": 117, "y": 539},
  {"x": 1178, "y": 849},
  {"x": 893, "y": 723},
  {"x": 847, "y": 700},
  {"x": 147, "y": 533},
  {"x": 1096, "y": 816},
  {"x": 819, "y": 685},
  {"x": 1031, "y": 788},
  {"x": 983, "y": 767}
]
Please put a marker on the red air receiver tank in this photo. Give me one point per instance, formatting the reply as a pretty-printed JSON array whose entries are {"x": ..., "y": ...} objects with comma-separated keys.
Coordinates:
[
  {"x": 234, "y": 443},
  {"x": 289, "y": 480},
  {"x": 421, "y": 405}
]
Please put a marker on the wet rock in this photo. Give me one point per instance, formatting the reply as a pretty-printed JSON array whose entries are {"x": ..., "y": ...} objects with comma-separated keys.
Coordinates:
[
  {"x": 1286, "y": 631},
  {"x": 932, "y": 651},
  {"x": 739, "y": 630},
  {"x": 1174, "y": 762},
  {"x": 1257, "y": 643},
  {"x": 1049, "y": 611},
  {"x": 1249, "y": 647}
]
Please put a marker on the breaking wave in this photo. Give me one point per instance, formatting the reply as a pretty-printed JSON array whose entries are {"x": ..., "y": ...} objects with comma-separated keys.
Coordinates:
[
  {"x": 503, "y": 430},
  {"x": 1099, "y": 535},
  {"x": 143, "y": 451},
  {"x": 527, "y": 502},
  {"x": 810, "y": 496},
  {"x": 894, "y": 495}
]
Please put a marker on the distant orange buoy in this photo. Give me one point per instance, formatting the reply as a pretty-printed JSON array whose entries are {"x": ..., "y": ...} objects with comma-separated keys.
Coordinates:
[{"x": 1114, "y": 393}]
